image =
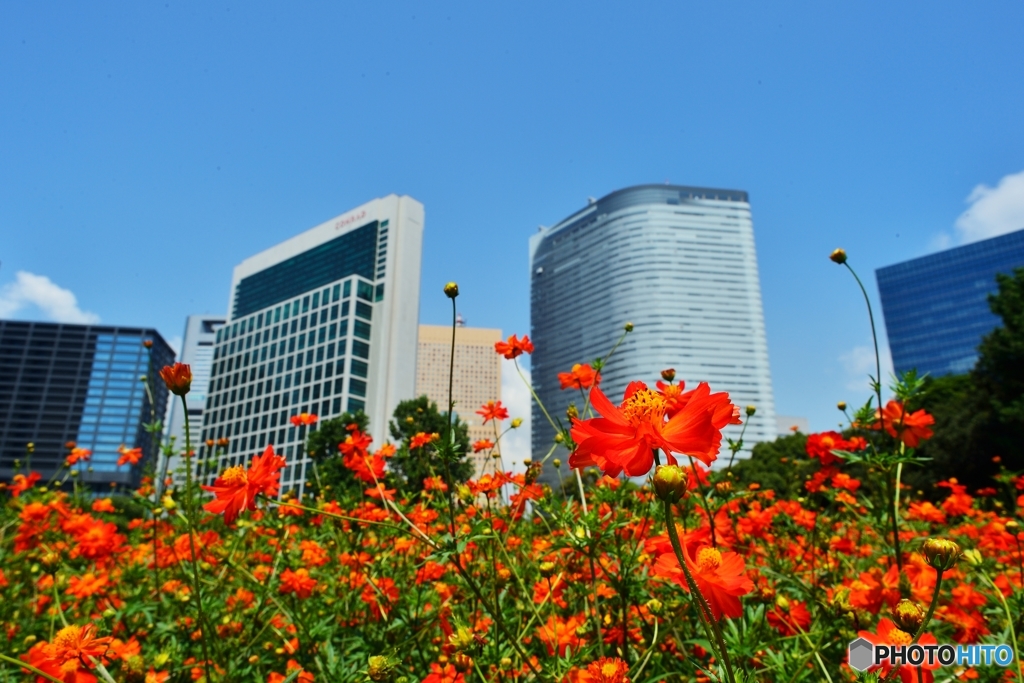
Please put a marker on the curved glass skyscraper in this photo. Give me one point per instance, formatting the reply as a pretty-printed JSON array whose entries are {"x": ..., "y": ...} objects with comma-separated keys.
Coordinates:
[{"x": 677, "y": 262}]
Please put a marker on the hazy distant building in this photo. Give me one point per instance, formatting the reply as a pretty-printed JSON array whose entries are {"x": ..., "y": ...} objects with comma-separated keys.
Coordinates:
[
  {"x": 81, "y": 383},
  {"x": 786, "y": 425},
  {"x": 324, "y": 322},
  {"x": 477, "y": 376},
  {"x": 677, "y": 262},
  {"x": 936, "y": 306},
  {"x": 197, "y": 352}
]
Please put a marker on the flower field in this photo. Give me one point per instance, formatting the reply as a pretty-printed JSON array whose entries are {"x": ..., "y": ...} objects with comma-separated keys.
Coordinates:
[{"x": 648, "y": 564}]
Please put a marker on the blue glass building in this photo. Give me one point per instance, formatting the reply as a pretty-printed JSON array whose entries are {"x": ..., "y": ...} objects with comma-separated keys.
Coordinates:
[
  {"x": 61, "y": 383},
  {"x": 936, "y": 307}
]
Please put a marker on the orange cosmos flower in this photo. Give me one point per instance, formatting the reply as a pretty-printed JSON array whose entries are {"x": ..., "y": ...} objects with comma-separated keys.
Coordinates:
[
  {"x": 493, "y": 410},
  {"x": 580, "y": 377},
  {"x": 560, "y": 634},
  {"x": 177, "y": 377},
  {"x": 482, "y": 445},
  {"x": 514, "y": 347},
  {"x": 605, "y": 670},
  {"x": 129, "y": 456},
  {"x": 77, "y": 455},
  {"x": 720, "y": 577},
  {"x": 20, "y": 483},
  {"x": 86, "y": 586},
  {"x": 73, "y": 648},
  {"x": 421, "y": 439},
  {"x": 910, "y": 428},
  {"x": 236, "y": 488},
  {"x": 624, "y": 438},
  {"x": 298, "y": 582},
  {"x": 303, "y": 419}
]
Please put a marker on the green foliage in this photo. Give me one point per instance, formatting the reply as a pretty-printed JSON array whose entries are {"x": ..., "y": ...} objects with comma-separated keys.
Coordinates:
[
  {"x": 980, "y": 415},
  {"x": 322, "y": 447},
  {"x": 781, "y": 465},
  {"x": 421, "y": 415}
]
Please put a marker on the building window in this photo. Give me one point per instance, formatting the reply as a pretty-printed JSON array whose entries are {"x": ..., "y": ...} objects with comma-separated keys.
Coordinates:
[
  {"x": 357, "y": 387},
  {"x": 361, "y": 329}
]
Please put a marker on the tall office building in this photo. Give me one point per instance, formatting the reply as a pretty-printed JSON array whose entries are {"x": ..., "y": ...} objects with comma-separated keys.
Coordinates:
[
  {"x": 322, "y": 323},
  {"x": 936, "y": 306},
  {"x": 677, "y": 262},
  {"x": 61, "y": 383},
  {"x": 196, "y": 351},
  {"x": 476, "y": 379}
]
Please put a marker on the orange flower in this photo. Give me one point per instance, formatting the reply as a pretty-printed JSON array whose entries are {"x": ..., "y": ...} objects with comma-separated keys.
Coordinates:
[
  {"x": 493, "y": 410},
  {"x": 720, "y": 577},
  {"x": 103, "y": 505},
  {"x": 86, "y": 586},
  {"x": 20, "y": 483},
  {"x": 482, "y": 445},
  {"x": 444, "y": 674},
  {"x": 303, "y": 419},
  {"x": 514, "y": 347},
  {"x": 580, "y": 377},
  {"x": 303, "y": 677},
  {"x": 73, "y": 649},
  {"x": 910, "y": 428},
  {"x": 421, "y": 439},
  {"x": 560, "y": 635},
  {"x": 605, "y": 670},
  {"x": 236, "y": 488},
  {"x": 178, "y": 378},
  {"x": 130, "y": 456},
  {"x": 624, "y": 438},
  {"x": 77, "y": 455},
  {"x": 298, "y": 582},
  {"x": 888, "y": 634},
  {"x": 821, "y": 446}
]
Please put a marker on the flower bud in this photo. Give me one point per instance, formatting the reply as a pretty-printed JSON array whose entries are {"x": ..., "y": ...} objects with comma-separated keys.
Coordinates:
[
  {"x": 379, "y": 668},
  {"x": 451, "y": 290},
  {"x": 723, "y": 487},
  {"x": 505, "y": 663},
  {"x": 516, "y": 422},
  {"x": 668, "y": 374},
  {"x": 974, "y": 557},
  {"x": 841, "y": 405},
  {"x": 462, "y": 662},
  {"x": 751, "y": 410},
  {"x": 654, "y": 606},
  {"x": 462, "y": 638},
  {"x": 557, "y": 463},
  {"x": 177, "y": 377},
  {"x": 571, "y": 412},
  {"x": 670, "y": 482},
  {"x": 148, "y": 343},
  {"x": 628, "y": 327},
  {"x": 547, "y": 569},
  {"x": 838, "y": 256},
  {"x": 907, "y": 616},
  {"x": 559, "y": 437},
  {"x": 941, "y": 553}
]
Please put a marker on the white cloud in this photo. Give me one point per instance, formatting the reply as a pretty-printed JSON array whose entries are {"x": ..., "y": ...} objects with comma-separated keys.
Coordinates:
[
  {"x": 515, "y": 446},
  {"x": 55, "y": 302},
  {"x": 993, "y": 210},
  {"x": 859, "y": 362}
]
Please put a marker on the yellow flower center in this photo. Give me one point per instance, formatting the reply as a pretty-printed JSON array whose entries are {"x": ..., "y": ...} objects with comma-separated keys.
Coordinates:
[
  {"x": 709, "y": 559},
  {"x": 644, "y": 406},
  {"x": 898, "y": 637},
  {"x": 67, "y": 637},
  {"x": 234, "y": 476},
  {"x": 828, "y": 442},
  {"x": 609, "y": 669}
]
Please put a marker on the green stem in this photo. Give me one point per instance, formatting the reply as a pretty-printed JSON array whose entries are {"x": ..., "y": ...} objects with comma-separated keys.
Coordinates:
[
  {"x": 190, "y": 506},
  {"x": 1009, "y": 621},
  {"x": 26, "y": 665},
  {"x": 924, "y": 622},
  {"x": 874, "y": 336},
  {"x": 895, "y": 515}
]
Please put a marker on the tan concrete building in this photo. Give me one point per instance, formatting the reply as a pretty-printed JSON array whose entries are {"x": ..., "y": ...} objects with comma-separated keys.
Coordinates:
[{"x": 477, "y": 377}]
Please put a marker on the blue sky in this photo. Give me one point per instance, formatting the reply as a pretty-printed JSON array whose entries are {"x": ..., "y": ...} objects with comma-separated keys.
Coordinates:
[{"x": 146, "y": 148}]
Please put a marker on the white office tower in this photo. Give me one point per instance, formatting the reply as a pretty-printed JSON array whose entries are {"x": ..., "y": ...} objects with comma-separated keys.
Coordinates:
[
  {"x": 325, "y": 322},
  {"x": 677, "y": 262},
  {"x": 197, "y": 353}
]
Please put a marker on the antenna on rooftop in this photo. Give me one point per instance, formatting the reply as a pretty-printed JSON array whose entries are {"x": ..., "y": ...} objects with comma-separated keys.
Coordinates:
[{"x": 459, "y": 320}]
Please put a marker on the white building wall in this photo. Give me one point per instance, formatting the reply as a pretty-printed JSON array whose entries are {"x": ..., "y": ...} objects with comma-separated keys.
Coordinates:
[
  {"x": 677, "y": 262},
  {"x": 289, "y": 350}
]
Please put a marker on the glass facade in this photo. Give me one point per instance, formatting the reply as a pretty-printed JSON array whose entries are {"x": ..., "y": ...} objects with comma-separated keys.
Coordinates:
[
  {"x": 677, "y": 262},
  {"x": 936, "y": 307},
  {"x": 349, "y": 254},
  {"x": 80, "y": 383},
  {"x": 294, "y": 357}
]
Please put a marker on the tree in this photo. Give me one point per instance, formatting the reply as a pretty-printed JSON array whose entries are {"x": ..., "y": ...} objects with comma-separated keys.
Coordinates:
[
  {"x": 999, "y": 372},
  {"x": 420, "y": 415},
  {"x": 322, "y": 447}
]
